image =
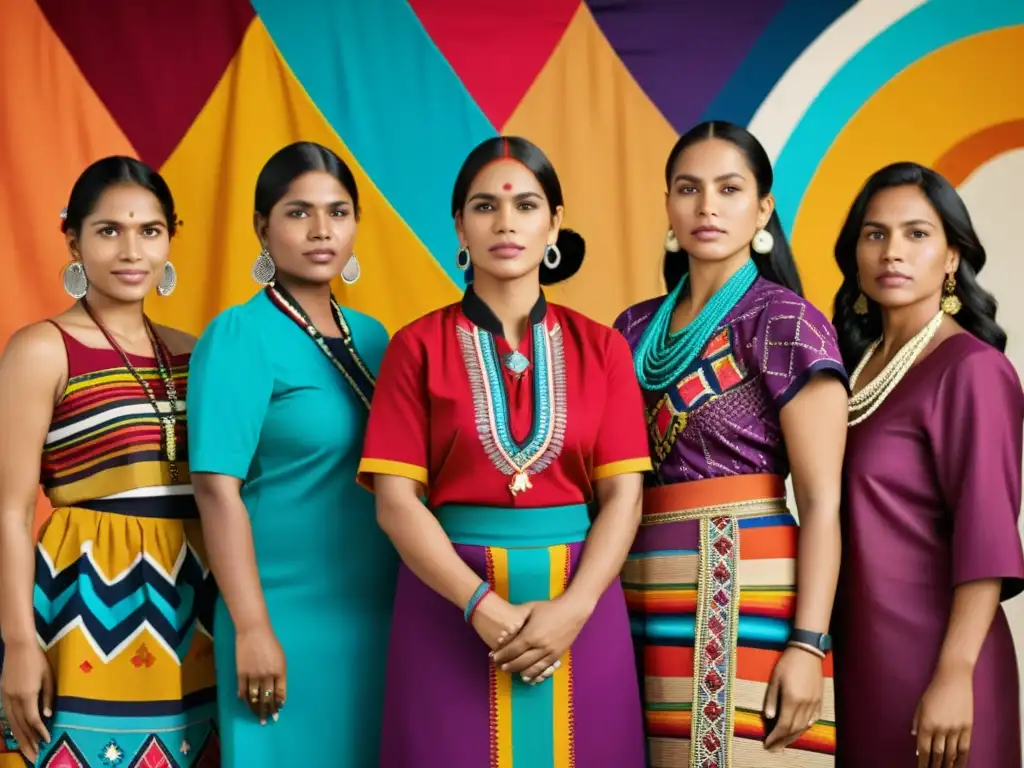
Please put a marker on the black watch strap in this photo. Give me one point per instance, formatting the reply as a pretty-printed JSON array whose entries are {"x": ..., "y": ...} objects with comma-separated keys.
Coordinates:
[{"x": 814, "y": 639}]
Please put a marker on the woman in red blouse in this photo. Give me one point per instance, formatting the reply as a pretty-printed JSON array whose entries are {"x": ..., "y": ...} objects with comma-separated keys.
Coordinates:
[{"x": 501, "y": 427}]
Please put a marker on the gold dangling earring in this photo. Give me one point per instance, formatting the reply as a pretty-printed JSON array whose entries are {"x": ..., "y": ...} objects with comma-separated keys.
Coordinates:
[
  {"x": 950, "y": 304},
  {"x": 860, "y": 306}
]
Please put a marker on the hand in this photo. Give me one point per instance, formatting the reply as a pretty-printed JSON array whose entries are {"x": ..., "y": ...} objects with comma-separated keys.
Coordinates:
[
  {"x": 944, "y": 718},
  {"x": 497, "y": 621},
  {"x": 551, "y": 628},
  {"x": 262, "y": 676},
  {"x": 798, "y": 681},
  {"x": 26, "y": 686}
]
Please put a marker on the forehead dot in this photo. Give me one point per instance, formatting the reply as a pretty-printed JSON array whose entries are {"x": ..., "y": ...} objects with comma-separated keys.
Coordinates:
[
  {"x": 507, "y": 186},
  {"x": 131, "y": 214}
]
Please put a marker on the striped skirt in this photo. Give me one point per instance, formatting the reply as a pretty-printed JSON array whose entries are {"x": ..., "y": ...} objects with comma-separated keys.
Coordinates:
[
  {"x": 121, "y": 598},
  {"x": 447, "y": 705},
  {"x": 710, "y": 585}
]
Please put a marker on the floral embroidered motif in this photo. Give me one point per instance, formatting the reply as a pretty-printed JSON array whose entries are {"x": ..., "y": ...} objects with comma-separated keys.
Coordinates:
[
  {"x": 143, "y": 658},
  {"x": 714, "y": 667},
  {"x": 112, "y": 754},
  {"x": 490, "y": 404}
]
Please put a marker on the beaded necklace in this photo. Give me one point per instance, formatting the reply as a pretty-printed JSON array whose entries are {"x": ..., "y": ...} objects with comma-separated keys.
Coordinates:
[
  {"x": 870, "y": 399},
  {"x": 350, "y": 365},
  {"x": 662, "y": 356},
  {"x": 162, "y": 356}
]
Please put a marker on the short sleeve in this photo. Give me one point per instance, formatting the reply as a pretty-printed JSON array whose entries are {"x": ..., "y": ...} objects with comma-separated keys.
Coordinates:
[
  {"x": 621, "y": 445},
  {"x": 794, "y": 342},
  {"x": 230, "y": 385},
  {"x": 976, "y": 433},
  {"x": 396, "y": 433}
]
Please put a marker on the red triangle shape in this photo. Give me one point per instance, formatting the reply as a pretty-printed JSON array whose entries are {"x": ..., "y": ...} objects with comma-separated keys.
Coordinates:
[
  {"x": 153, "y": 64},
  {"x": 497, "y": 48}
]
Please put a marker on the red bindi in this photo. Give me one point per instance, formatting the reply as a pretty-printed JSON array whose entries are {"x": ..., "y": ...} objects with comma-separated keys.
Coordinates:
[{"x": 507, "y": 187}]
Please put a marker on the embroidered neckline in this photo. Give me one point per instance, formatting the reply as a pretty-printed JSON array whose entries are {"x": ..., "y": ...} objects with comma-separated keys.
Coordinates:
[
  {"x": 490, "y": 403},
  {"x": 349, "y": 364}
]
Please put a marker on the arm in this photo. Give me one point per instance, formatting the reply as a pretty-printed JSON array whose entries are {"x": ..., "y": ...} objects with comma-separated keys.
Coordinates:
[
  {"x": 33, "y": 373},
  {"x": 974, "y": 608}
]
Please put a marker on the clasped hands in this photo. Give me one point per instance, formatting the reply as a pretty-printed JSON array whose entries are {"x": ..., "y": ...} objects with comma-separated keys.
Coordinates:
[{"x": 530, "y": 639}]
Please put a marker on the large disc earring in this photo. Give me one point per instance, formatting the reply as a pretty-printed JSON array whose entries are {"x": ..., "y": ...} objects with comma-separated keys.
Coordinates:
[
  {"x": 462, "y": 260},
  {"x": 950, "y": 303},
  {"x": 763, "y": 242},
  {"x": 672, "y": 242},
  {"x": 76, "y": 284},
  {"x": 263, "y": 269},
  {"x": 168, "y": 280},
  {"x": 552, "y": 257},
  {"x": 350, "y": 272}
]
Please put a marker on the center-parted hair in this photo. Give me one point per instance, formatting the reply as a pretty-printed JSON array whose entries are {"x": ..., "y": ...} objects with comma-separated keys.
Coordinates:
[
  {"x": 777, "y": 266},
  {"x": 110, "y": 172},
  {"x": 570, "y": 244},
  {"x": 294, "y": 160},
  {"x": 978, "y": 307}
]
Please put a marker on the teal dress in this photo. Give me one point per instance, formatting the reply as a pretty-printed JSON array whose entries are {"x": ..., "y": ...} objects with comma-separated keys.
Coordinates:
[{"x": 267, "y": 406}]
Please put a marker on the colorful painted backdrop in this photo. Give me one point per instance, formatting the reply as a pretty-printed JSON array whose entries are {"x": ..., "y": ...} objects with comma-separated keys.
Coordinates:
[{"x": 207, "y": 90}]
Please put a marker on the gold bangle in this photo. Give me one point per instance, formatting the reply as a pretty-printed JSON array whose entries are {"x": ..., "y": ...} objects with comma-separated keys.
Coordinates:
[{"x": 808, "y": 648}]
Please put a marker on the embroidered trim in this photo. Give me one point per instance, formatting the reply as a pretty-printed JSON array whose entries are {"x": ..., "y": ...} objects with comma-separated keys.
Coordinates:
[
  {"x": 547, "y": 436},
  {"x": 350, "y": 366},
  {"x": 714, "y": 658}
]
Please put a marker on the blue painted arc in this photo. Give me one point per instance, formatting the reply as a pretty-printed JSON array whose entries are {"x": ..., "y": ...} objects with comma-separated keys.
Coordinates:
[
  {"x": 930, "y": 27},
  {"x": 392, "y": 98}
]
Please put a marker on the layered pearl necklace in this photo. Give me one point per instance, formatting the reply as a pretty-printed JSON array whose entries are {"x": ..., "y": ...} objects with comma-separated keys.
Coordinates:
[{"x": 869, "y": 399}]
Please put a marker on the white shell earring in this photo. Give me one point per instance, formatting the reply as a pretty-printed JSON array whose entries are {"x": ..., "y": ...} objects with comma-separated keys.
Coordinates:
[
  {"x": 76, "y": 284},
  {"x": 671, "y": 241},
  {"x": 263, "y": 269},
  {"x": 168, "y": 281},
  {"x": 350, "y": 272},
  {"x": 552, "y": 257},
  {"x": 763, "y": 242}
]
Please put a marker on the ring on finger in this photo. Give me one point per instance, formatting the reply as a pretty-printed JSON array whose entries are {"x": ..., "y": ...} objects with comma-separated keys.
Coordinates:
[{"x": 268, "y": 693}]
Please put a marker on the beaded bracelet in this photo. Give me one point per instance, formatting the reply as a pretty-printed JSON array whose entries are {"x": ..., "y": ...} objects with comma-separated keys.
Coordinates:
[{"x": 474, "y": 601}]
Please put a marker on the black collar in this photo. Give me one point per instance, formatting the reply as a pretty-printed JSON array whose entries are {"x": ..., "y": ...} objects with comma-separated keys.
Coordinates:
[{"x": 474, "y": 308}]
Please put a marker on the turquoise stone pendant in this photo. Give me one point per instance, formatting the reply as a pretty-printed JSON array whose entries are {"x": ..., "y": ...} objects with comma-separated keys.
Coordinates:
[{"x": 516, "y": 362}]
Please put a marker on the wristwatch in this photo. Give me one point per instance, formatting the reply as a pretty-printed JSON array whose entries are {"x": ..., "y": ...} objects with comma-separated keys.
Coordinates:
[{"x": 814, "y": 639}]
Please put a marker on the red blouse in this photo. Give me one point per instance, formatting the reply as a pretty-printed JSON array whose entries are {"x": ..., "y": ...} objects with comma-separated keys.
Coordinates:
[{"x": 453, "y": 412}]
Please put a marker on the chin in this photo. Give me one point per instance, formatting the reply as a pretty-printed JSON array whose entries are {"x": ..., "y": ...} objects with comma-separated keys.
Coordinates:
[
  {"x": 318, "y": 274},
  {"x": 505, "y": 269},
  {"x": 126, "y": 294},
  {"x": 894, "y": 299},
  {"x": 711, "y": 252}
]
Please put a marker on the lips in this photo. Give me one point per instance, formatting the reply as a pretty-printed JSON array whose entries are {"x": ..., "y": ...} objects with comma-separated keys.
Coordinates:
[
  {"x": 708, "y": 231},
  {"x": 130, "y": 276},
  {"x": 319, "y": 256},
  {"x": 892, "y": 279},
  {"x": 506, "y": 250}
]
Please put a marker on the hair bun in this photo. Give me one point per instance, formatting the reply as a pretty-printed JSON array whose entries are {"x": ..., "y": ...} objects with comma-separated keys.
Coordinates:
[{"x": 572, "y": 247}]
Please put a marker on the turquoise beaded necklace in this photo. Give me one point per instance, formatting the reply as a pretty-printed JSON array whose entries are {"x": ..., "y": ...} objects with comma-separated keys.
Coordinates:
[{"x": 662, "y": 356}]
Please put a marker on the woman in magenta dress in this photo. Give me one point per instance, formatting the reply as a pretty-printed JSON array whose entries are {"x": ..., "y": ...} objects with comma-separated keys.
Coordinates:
[
  {"x": 743, "y": 382},
  {"x": 505, "y": 446},
  {"x": 932, "y": 488}
]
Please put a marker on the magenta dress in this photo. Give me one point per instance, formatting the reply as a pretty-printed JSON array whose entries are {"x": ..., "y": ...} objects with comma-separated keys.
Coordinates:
[{"x": 932, "y": 493}]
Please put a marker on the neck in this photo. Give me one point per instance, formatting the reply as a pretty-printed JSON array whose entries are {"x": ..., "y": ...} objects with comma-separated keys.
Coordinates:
[
  {"x": 123, "y": 319},
  {"x": 510, "y": 301},
  {"x": 315, "y": 301},
  {"x": 707, "y": 277},
  {"x": 901, "y": 324}
]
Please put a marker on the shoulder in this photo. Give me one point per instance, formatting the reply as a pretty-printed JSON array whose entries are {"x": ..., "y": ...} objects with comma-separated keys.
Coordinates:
[
  {"x": 36, "y": 344},
  {"x": 972, "y": 367},
  {"x": 240, "y": 326},
  {"x": 427, "y": 327},
  {"x": 637, "y": 314},
  {"x": 365, "y": 327},
  {"x": 785, "y": 314},
  {"x": 178, "y": 342},
  {"x": 590, "y": 333}
]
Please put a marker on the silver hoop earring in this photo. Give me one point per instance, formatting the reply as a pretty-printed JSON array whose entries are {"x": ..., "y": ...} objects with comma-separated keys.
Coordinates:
[
  {"x": 763, "y": 242},
  {"x": 350, "y": 272},
  {"x": 168, "y": 281},
  {"x": 263, "y": 269},
  {"x": 462, "y": 260},
  {"x": 671, "y": 241},
  {"x": 552, "y": 257},
  {"x": 76, "y": 284}
]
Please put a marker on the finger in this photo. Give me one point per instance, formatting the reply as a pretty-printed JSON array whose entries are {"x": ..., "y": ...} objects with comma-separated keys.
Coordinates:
[
  {"x": 513, "y": 649},
  {"x": 47, "y": 693},
  {"x": 280, "y": 691},
  {"x": 963, "y": 748},
  {"x": 952, "y": 741},
  {"x": 771, "y": 699},
  {"x": 534, "y": 671},
  {"x": 784, "y": 730},
  {"x": 252, "y": 694},
  {"x": 549, "y": 671},
  {"x": 938, "y": 750},
  {"x": 520, "y": 665},
  {"x": 924, "y": 746},
  {"x": 917, "y": 721},
  {"x": 35, "y": 722},
  {"x": 21, "y": 732},
  {"x": 266, "y": 698}
]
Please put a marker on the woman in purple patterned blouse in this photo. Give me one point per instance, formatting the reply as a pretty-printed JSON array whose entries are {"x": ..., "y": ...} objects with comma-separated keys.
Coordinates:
[
  {"x": 743, "y": 383},
  {"x": 932, "y": 488}
]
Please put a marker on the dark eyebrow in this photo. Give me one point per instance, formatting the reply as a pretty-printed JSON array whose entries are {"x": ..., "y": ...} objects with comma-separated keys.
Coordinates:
[
  {"x": 695, "y": 180},
  {"x": 488, "y": 197},
  {"x": 111, "y": 223},
  {"x": 305, "y": 204},
  {"x": 911, "y": 223}
]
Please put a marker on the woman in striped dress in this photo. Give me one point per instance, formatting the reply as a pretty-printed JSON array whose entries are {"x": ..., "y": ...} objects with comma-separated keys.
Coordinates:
[
  {"x": 743, "y": 381},
  {"x": 108, "y": 661}
]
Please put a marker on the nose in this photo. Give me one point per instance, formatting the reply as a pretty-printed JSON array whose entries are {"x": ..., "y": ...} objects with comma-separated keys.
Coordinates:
[
  {"x": 320, "y": 226},
  {"x": 504, "y": 220},
  {"x": 707, "y": 205},
  {"x": 130, "y": 246},
  {"x": 893, "y": 251}
]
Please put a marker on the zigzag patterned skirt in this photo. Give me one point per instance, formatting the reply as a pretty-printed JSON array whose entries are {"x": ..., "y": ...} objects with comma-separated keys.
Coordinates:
[
  {"x": 122, "y": 601},
  {"x": 710, "y": 585}
]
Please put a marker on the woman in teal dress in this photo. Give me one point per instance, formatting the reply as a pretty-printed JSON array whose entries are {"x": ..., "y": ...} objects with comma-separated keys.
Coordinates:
[{"x": 279, "y": 396}]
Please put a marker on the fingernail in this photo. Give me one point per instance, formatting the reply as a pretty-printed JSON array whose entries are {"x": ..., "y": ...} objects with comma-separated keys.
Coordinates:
[
  {"x": 504, "y": 667},
  {"x": 47, "y": 712},
  {"x": 527, "y": 679},
  {"x": 263, "y": 722},
  {"x": 769, "y": 713},
  {"x": 275, "y": 717}
]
